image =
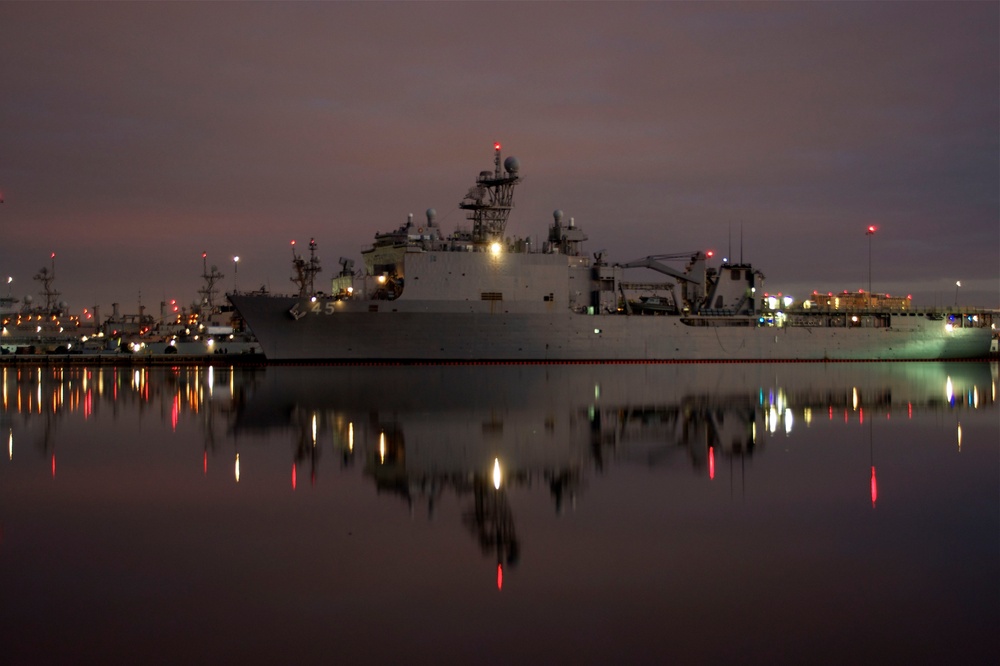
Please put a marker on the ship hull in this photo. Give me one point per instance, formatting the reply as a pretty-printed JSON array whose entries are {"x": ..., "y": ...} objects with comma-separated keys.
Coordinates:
[{"x": 432, "y": 331}]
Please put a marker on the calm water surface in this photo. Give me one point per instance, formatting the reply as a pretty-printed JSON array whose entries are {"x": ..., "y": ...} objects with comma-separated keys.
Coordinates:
[{"x": 742, "y": 513}]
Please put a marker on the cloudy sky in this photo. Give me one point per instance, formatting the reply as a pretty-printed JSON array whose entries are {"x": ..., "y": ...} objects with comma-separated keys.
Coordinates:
[{"x": 135, "y": 136}]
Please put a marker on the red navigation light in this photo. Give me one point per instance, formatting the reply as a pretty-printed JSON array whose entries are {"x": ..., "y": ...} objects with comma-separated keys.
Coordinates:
[
  {"x": 496, "y": 146},
  {"x": 710, "y": 254},
  {"x": 871, "y": 229},
  {"x": 53, "y": 255},
  {"x": 293, "y": 242},
  {"x": 909, "y": 297},
  {"x": 204, "y": 254}
]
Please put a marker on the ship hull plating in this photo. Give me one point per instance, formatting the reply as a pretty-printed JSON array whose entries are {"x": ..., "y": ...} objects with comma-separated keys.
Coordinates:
[{"x": 475, "y": 331}]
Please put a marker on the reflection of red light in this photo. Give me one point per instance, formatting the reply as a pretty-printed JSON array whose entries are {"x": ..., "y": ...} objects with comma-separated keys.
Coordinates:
[
  {"x": 711, "y": 462},
  {"x": 874, "y": 487},
  {"x": 204, "y": 462},
  {"x": 293, "y": 476},
  {"x": 499, "y": 576},
  {"x": 53, "y": 465}
]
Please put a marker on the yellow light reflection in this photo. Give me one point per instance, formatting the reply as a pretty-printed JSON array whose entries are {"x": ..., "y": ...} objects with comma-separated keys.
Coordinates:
[
  {"x": 959, "y": 437},
  {"x": 807, "y": 415},
  {"x": 854, "y": 398},
  {"x": 350, "y": 437},
  {"x": 237, "y": 468},
  {"x": 381, "y": 447},
  {"x": 496, "y": 473},
  {"x": 788, "y": 420},
  {"x": 10, "y": 445},
  {"x": 314, "y": 429},
  {"x": 949, "y": 390}
]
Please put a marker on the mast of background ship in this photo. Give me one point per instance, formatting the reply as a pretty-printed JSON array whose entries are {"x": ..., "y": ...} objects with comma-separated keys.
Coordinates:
[
  {"x": 46, "y": 277},
  {"x": 305, "y": 271},
  {"x": 208, "y": 291},
  {"x": 489, "y": 201}
]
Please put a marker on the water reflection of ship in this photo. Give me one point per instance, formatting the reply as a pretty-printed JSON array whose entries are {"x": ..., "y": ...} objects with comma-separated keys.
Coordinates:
[{"x": 422, "y": 432}]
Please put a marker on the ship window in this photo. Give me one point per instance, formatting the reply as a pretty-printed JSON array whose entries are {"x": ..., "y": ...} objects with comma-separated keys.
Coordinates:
[
  {"x": 492, "y": 296},
  {"x": 735, "y": 274},
  {"x": 373, "y": 308}
]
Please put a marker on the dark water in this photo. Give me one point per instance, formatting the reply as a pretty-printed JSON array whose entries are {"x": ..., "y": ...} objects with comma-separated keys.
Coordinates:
[{"x": 743, "y": 513}]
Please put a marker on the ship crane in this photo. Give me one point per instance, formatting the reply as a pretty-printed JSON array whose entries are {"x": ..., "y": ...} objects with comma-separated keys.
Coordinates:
[{"x": 692, "y": 279}]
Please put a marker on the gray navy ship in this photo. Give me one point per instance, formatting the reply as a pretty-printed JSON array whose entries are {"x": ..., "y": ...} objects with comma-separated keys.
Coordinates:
[{"x": 477, "y": 295}]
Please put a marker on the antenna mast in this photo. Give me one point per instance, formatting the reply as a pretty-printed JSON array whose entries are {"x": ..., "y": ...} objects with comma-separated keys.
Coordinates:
[
  {"x": 46, "y": 276},
  {"x": 489, "y": 201},
  {"x": 305, "y": 271},
  {"x": 208, "y": 291}
]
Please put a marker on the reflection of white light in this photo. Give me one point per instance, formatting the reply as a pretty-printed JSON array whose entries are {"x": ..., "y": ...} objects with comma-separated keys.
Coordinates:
[
  {"x": 495, "y": 249},
  {"x": 772, "y": 420},
  {"x": 788, "y": 421},
  {"x": 753, "y": 432},
  {"x": 959, "y": 436},
  {"x": 350, "y": 437},
  {"x": 10, "y": 445},
  {"x": 381, "y": 447},
  {"x": 949, "y": 390},
  {"x": 314, "y": 430},
  {"x": 854, "y": 399},
  {"x": 496, "y": 473},
  {"x": 237, "y": 470}
]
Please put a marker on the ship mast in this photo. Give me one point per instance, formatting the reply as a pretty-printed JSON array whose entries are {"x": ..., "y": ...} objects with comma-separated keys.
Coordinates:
[
  {"x": 489, "y": 201},
  {"x": 46, "y": 276},
  {"x": 305, "y": 271},
  {"x": 208, "y": 291}
]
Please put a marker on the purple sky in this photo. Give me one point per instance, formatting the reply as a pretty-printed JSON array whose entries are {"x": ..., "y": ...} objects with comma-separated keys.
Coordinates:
[{"x": 135, "y": 136}]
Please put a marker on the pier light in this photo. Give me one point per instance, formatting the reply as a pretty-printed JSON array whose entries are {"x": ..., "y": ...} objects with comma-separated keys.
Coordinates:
[{"x": 495, "y": 249}]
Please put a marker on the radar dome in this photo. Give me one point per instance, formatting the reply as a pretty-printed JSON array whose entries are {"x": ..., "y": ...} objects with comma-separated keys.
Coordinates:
[
  {"x": 28, "y": 300},
  {"x": 557, "y": 214},
  {"x": 511, "y": 164},
  {"x": 63, "y": 305},
  {"x": 431, "y": 214}
]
